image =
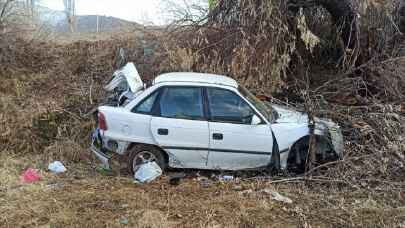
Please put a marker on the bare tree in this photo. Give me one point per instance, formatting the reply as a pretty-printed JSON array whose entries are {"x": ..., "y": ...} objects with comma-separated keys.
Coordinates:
[
  {"x": 401, "y": 12},
  {"x": 70, "y": 11},
  {"x": 30, "y": 4},
  {"x": 5, "y": 8},
  {"x": 343, "y": 13},
  {"x": 185, "y": 11}
]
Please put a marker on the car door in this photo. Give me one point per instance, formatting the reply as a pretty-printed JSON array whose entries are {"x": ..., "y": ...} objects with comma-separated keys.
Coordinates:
[
  {"x": 234, "y": 142},
  {"x": 180, "y": 126}
]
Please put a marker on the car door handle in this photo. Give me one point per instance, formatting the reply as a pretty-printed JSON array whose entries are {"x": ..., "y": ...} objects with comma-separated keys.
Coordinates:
[
  {"x": 217, "y": 136},
  {"x": 162, "y": 131}
]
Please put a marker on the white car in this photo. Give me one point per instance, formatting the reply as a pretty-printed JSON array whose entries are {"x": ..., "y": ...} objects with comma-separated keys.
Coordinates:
[{"x": 204, "y": 121}]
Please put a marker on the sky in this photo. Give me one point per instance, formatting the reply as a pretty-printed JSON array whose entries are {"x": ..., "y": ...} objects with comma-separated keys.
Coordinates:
[{"x": 141, "y": 11}]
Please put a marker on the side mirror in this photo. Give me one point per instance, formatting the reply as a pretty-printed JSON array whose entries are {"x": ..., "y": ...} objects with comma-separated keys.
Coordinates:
[{"x": 256, "y": 120}]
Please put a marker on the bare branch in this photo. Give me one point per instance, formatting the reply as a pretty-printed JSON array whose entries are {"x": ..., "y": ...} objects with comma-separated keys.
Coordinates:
[{"x": 4, "y": 9}]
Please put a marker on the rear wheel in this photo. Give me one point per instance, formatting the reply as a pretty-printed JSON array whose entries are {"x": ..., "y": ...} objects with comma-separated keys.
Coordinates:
[{"x": 141, "y": 154}]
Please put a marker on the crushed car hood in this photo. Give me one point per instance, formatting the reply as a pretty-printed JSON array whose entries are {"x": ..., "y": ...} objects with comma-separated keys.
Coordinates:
[
  {"x": 289, "y": 115},
  {"x": 127, "y": 76}
]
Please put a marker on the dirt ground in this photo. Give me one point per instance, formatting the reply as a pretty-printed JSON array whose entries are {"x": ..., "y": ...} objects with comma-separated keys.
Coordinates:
[{"x": 85, "y": 198}]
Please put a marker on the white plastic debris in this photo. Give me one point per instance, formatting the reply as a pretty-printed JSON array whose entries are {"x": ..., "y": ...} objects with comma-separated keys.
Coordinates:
[
  {"x": 148, "y": 172},
  {"x": 226, "y": 178},
  {"x": 276, "y": 196},
  {"x": 57, "y": 167}
]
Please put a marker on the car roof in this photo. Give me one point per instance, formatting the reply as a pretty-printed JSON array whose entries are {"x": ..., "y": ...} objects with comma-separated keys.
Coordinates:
[{"x": 196, "y": 78}]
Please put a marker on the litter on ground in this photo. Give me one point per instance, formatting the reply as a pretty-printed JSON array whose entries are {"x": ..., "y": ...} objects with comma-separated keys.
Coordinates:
[
  {"x": 226, "y": 178},
  {"x": 274, "y": 195},
  {"x": 277, "y": 196},
  {"x": 147, "y": 172},
  {"x": 30, "y": 176},
  {"x": 57, "y": 167},
  {"x": 124, "y": 221}
]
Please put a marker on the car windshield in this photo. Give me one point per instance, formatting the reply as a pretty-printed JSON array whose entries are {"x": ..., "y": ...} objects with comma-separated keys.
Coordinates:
[{"x": 259, "y": 105}]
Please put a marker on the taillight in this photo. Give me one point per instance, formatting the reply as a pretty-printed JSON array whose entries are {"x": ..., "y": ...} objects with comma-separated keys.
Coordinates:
[{"x": 102, "y": 124}]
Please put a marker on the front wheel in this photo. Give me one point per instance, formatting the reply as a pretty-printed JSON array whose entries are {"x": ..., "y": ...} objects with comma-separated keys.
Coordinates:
[{"x": 141, "y": 154}]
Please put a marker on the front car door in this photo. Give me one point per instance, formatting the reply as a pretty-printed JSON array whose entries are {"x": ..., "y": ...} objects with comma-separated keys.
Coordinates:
[
  {"x": 234, "y": 142},
  {"x": 180, "y": 127}
]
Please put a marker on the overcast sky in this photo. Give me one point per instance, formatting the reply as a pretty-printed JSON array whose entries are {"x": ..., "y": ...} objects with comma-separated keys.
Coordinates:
[{"x": 134, "y": 10}]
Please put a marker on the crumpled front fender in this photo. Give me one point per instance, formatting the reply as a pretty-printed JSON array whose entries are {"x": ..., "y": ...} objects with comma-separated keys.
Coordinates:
[{"x": 287, "y": 134}]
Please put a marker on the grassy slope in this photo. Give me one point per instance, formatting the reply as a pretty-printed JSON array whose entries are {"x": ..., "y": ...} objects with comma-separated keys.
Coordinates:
[{"x": 84, "y": 198}]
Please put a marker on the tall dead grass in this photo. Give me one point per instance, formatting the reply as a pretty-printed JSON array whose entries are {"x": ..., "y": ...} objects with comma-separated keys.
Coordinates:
[
  {"x": 47, "y": 90},
  {"x": 252, "y": 43}
]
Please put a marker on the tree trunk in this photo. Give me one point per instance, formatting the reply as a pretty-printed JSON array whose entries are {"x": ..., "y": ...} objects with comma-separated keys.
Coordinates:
[
  {"x": 401, "y": 14},
  {"x": 70, "y": 9},
  {"x": 343, "y": 14},
  {"x": 4, "y": 8}
]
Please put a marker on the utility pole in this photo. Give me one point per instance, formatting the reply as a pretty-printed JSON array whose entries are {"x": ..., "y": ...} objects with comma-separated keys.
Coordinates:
[
  {"x": 70, "y": 10},
  {"x": 98, "y": 24},
  {"x": 30, "y": 5}
]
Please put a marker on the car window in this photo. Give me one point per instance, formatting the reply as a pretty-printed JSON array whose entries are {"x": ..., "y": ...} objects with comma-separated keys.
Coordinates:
[
  {"x": 226, "y": 106},
  {"x": 146, "y": 105},
  {"x": 266, "y": 110},
  {"x": 182, "y": 103}
]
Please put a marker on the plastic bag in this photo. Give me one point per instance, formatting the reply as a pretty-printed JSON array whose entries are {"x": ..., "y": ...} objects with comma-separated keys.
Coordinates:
[
  {"x": 226, "y": 178},
  {"x": 148, "y": 172},
  {"x": 57, "y": 167},
  {"x": 30, "y": 176},
  {"x": 277, "y": 196}
]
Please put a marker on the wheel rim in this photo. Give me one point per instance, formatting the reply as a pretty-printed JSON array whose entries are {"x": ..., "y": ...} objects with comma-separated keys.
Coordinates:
[{"x": 142, "y": 158}]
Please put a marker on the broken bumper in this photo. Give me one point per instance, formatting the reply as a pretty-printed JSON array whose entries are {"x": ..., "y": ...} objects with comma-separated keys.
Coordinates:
[{"x": 98, "y": 149}]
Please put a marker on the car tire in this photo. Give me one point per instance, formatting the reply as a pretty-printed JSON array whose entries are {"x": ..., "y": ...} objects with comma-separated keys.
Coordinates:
[
  {"x": 149, "y": 154},
  {"x": 300, "y": 150}
]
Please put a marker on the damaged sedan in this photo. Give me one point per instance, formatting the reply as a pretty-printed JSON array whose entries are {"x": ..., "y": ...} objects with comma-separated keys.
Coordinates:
[{"x": 204, "y": 121}]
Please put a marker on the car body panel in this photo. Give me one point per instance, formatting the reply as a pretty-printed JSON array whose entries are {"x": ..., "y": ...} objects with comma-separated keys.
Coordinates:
[
  {"x": 286, "y": 135},
  {"x": 186, "y": 142},
  {"x": 127, "y": 76},
  {"x": 242, "y": 147},
  {"x": 292, "y": 126},
  {"x": 191, "y": 77},
  {"x": 124, "y": 125}
]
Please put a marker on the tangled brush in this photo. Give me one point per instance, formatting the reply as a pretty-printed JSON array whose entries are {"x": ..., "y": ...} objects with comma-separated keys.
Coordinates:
[{"x": 250, "y": 42}]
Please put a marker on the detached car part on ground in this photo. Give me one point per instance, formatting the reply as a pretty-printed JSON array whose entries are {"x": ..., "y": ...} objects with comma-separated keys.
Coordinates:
[{"x": 204, "y": 121}]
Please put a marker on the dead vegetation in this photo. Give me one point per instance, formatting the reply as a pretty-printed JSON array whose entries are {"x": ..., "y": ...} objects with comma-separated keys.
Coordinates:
[{"x": 47, "y": 89}]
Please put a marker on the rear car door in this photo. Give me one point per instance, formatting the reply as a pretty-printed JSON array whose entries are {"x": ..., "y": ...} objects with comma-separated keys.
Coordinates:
[
  {"x": 180, "y": 126},
  {"x": 234, "y": 142}
]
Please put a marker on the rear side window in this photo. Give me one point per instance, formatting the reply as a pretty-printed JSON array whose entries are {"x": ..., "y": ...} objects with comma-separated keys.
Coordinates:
[
  {"x": 226, "y": 106},
  {"x": 182, "y": 103},
  {"x": 145, "y": 107}
]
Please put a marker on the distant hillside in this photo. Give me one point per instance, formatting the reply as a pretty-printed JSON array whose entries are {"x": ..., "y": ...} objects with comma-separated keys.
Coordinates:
[
  {"x": 50, "y": 16},
  {"x": 88, "y": 23},
  {"x": 56, "y": 20}
]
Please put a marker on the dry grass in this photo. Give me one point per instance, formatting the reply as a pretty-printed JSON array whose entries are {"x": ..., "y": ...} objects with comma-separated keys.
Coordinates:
[{"x": 84, "y": 198}]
